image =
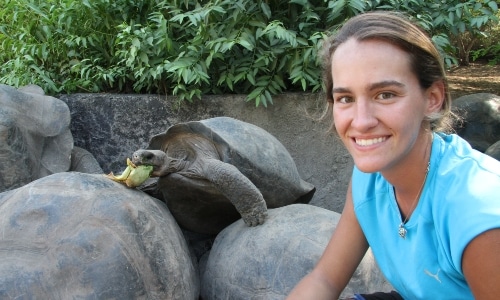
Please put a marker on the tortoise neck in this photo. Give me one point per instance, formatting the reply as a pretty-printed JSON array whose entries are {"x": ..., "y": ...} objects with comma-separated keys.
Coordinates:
[{"x": 174, "y": 165}]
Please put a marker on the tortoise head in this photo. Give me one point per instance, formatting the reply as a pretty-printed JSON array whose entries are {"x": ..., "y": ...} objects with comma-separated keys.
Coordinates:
[{"x": 161, "y": 162}]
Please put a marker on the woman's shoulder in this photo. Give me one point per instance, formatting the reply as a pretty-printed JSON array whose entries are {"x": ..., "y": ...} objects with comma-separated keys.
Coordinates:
[
  {"x": 465, "y": 186},
  {"x": 369, "y": 181},
  {"x": 462, "y": 174},
  {"x": 454, "y": 155}
]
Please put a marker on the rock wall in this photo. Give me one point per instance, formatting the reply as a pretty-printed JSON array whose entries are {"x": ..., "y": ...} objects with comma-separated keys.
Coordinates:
[{"x": 112, "y": 127}]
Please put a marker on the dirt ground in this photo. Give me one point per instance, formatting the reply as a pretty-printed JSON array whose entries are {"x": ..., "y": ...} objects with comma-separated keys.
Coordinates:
[{"x": 476, "y": 78}]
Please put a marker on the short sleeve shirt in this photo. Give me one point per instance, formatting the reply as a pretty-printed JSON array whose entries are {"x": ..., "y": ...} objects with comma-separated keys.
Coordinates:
[{"x": 460, "y": 200}]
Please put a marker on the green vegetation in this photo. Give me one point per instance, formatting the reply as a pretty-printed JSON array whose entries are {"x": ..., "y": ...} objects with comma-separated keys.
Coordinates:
[{"x": 189, "y": 48}]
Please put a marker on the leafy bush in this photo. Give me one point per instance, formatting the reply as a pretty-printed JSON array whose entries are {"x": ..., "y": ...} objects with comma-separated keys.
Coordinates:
[
  {"x": 488, "y": 45},
  {"x": 189, "y": 48},
  {"x": 223, "y": 47},
  {"x": 62, "y": 45}
]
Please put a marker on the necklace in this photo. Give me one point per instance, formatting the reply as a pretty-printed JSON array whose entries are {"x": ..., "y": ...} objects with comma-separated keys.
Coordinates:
[{"x": 401, "y": 229}]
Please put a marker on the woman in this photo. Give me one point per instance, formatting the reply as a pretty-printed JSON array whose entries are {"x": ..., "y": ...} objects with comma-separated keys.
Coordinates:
[{"x": 425, "y": 202}]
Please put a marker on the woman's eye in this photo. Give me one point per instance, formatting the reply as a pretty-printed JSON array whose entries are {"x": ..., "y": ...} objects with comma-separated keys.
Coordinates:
[
  {"x": 385, "y": 96},
  {"x": 344, "y": 99}
]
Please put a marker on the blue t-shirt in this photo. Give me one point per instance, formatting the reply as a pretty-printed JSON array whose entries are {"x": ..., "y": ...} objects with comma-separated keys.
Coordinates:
[{"x": 460, "y": 200}]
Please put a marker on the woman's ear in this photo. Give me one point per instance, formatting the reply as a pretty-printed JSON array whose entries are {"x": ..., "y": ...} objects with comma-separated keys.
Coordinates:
[{"x": 435, "y": 95}]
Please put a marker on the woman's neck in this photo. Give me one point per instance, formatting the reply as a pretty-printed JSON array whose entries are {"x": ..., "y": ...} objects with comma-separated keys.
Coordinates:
[{"x": 408, "y": 176}]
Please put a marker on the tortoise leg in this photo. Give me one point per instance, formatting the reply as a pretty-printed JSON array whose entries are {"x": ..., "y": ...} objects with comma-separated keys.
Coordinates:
[{"x": 242, "y": 193}]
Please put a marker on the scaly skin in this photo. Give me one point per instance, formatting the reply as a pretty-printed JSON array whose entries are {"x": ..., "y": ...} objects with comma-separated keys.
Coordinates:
[{"x": 242, "y": 193}]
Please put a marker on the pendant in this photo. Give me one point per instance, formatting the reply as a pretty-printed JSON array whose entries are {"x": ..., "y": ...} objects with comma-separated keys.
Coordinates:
[{"x": 402, "y": 230}]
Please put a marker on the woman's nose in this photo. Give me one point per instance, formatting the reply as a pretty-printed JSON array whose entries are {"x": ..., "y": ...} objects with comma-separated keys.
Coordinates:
[{"x": 364, "y": 116}]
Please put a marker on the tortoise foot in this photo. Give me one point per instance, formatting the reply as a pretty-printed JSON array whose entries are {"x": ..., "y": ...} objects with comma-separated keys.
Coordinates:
[{"x": 255, "y": 217}]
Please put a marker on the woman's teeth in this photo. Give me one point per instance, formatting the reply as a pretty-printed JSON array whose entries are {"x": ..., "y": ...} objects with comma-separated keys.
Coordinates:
[{"x": 369, "y": 142}]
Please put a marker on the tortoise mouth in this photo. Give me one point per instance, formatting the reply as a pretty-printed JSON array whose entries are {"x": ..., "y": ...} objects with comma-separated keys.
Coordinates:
[
  {"x": 141, "y": 157},
  {"x": 148, "y": 157}
]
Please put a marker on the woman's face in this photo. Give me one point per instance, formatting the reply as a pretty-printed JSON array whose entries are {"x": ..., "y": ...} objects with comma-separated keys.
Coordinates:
[{"x": 378, "y": 104}]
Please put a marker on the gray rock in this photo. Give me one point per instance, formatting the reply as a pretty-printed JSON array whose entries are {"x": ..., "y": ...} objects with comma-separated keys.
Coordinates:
[
  {"x": 80, "y": 236},
  {"x": 32, "y": 89},
  {"x": 35, "y": 139},
  {"x": 267, "y": 261},
  {"x": 84, "y": 162},
  {"x": 481, "y": 116},
  {"x": 494, "y": 150}
]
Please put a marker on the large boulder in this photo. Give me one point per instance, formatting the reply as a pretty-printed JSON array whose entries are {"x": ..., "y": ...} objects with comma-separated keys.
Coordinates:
[
  {"x": 494, "y": 150},
  {"x": 267, "y": 261},
  {"x": 79, "y": 236},
  {"x": 83, "y": 161},
  {"x": 35, "y": 139},
  {"x": 481, "y": 119}
]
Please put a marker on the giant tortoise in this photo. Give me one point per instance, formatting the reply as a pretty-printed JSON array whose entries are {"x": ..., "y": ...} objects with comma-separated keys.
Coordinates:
[
  {"x": 213, "y": 171},
  {"x": 72, "y": 235},
  {"x": 267, "y": 261}
]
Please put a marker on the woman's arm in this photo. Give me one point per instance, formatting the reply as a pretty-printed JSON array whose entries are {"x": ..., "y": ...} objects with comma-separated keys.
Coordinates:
[
  {"x": 340, "y": 259},
  {"x": 481, "y": 265}
]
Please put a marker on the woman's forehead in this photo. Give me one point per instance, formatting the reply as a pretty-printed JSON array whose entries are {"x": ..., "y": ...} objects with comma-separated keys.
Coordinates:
[{"x": 364, "y": 60}]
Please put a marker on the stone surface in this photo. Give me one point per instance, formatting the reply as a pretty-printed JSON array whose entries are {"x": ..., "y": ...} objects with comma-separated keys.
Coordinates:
[
  {"x": 35, "y": 139},
  {"x": 494, "y": 150},
  {"x": 72, "y": 235},
  {"x": 267, "y": 261},
  {"x": 481, "y": 119},
  {"x": 83, "y": 161}
]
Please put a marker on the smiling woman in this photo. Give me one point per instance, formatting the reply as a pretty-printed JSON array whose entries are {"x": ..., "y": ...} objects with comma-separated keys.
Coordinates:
[{"x": 388, "y": 94}]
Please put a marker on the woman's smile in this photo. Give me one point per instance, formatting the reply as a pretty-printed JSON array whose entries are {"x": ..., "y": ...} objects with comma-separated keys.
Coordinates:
[{"x": 369, "y": 142}]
